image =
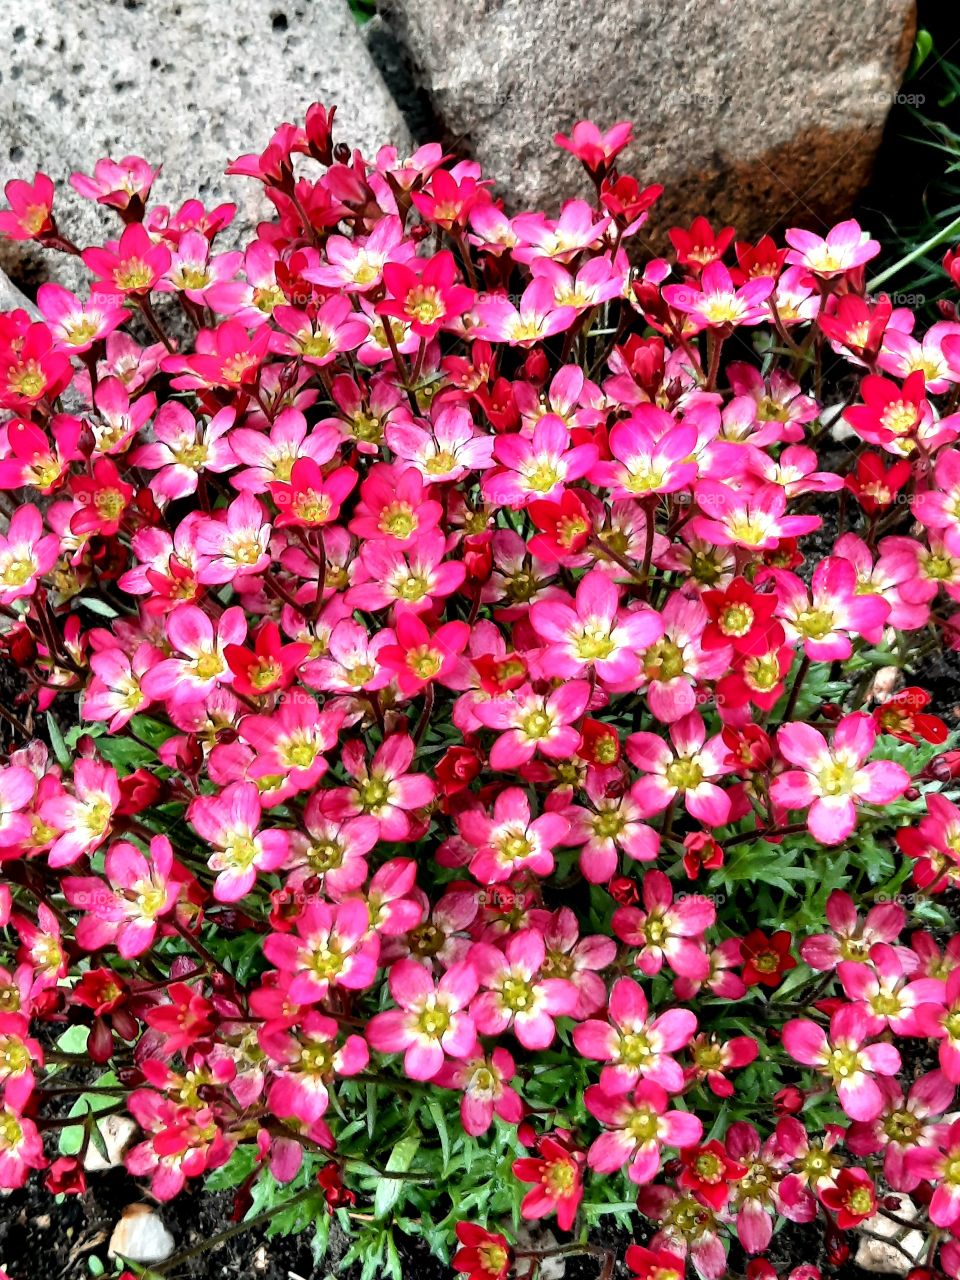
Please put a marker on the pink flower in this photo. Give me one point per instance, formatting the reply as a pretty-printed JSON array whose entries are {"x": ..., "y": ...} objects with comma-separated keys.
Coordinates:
[
  {"x": 332, "y": 947},
  {"x": 536, "y": 318},
  {"x": 229, "y": 822},
  {"x": 579, "y": 960},
  {"x": 943, "y": 1168},
  {"x": 516, "y": 994},
  {"x": 596, "y": 150},
  {"x": 427, "y": 296},
  {"x": 26, "y": 554},
  {"x": 666, "y": 930},
  {"x": 753, "y": 518},
  {"x": 686, "y": 766},
  {"x": 531, "y": 722},
  {"x": 184, "y": 449},
  {"x": 430, "y": 1022},
  {"x": 393, "y": 507},
  {"x": 201, "y": 665},
  {"x": 824, "y": 617},
  {"x": 21, "y": 1148},
  {"x": 844, "y": 247},
  {"x": 883, "y": 992},
  {"x": 673, "y": 664},
  {"x": 117, "y": 183},
  {"x": 637, "y": 1046},
  {"x": 194, "y": 273},
  {"x": 851, "y": 937},
  {"x": 125, "y": 911},
  {"x": 415, "y": 577},
  {"x": 31, "y": 204},
  {"x": 356, "y": 265},
  {"x": 77, "y": 325},
  {"x": 83, "y": 819},
  {"x": 304, "y": 1064},
  {"x": 132, "y": 267},
  {"x": 486, "y": 1093},
  {"x": 905, "y": 1125},
  {"x": 269, "y": 456},
  {"x": 384, "y": 790},
  {"x": 844, "y": 1059},
  {"x": 717, "y": 303},
  {"x": 290, "y": 744},
  {"x": 833, "y": 779},
  {"x": 510, "y": 841},
  {"x": 652, "y": 455},
  {"x": 319, "y": 339},
  {"x": 593, "y": 632},
  {"x": 562, "y": 239},
  {"x": 538, "y": 467},
  {"x": 447, "y": 451},
  {"x": 611, "y": 823},
  {"x": 638, "y": 1125}
]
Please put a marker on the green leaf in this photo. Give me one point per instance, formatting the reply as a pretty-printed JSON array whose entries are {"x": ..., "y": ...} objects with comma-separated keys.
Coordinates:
[
  {"x": 436, "y": 1111},
  {"x": 57, "y": 742},
  {"x": 389, "y": 1190}
]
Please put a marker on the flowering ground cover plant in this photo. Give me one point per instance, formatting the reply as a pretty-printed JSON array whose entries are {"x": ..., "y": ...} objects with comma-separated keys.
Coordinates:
[{"x": 477, "y": 671}]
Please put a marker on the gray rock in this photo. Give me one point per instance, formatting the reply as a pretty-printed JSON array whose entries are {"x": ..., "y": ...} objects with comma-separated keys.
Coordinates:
[
  {"x": 755, "y": 112},
  {"x": 190, "y": 84}
]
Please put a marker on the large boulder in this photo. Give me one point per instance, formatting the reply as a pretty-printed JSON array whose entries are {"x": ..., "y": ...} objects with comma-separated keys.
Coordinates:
[
  {"x": 186, "y": 83},
  {"x": 755, "y": 112}
]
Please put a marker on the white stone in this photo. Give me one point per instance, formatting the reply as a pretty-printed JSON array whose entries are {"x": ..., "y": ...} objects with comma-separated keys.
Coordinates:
[
  {"x": 881, "y": 1258},
  {"x": 117, "y": 1132},
  {"x": 140, "y": 1236}
]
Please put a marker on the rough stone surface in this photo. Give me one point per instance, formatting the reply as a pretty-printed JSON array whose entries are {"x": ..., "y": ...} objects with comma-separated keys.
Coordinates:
[
  {"x": 141, "y": 1236},
  {"x": 757, "y": 112},
  {"x": 190, "y": 84},
  {"x": 880, "y": 1257},
  {"x": 11, "y": 298}
]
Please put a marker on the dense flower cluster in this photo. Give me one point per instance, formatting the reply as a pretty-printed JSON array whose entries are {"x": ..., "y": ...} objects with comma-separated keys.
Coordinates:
[{"x": 460, "y": 651}]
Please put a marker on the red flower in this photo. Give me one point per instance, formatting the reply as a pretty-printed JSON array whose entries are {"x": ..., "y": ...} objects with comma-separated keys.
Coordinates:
[
  {"x": 133, "y": 267},
  {"x": 765, "y": 959},
  {"x": 564, "y": 527},
  {"x": 482, "y": 1255},
  {"x": 456, "y": 769},
  {"x": 30, "y": 214},
  {"x": 65, "y": 1177},
  {"x": 755, "y": 261},
  {"x": 903, "y": 717},
  {"x": 698, "y": 245},
  {"x": 655, "y": 1264},
  {"x": 740, "y": 616},
  {"x": 270, "y": 666},
  {"x": 875, "y": 486},
  {"x": 557, "y": 1175},
  {"x": 709, "y": 1172},
  {"x": 853, "y": 1198},
  {"x": 857, "y": 324},
  {"x": 102, "y": 499},
  {"x": 599, "y": 743},
  {"x": 428, "y": 298},
  {"x": 702, "y": 852}
]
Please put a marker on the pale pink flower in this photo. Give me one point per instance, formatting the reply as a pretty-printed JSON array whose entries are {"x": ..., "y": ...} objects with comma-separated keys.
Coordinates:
[{"x": 431, "y": 1021}]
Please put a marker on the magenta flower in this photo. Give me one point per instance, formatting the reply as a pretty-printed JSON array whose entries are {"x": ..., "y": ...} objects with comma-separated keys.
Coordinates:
[
  {"x": 77, "y": 325},
  {"x": 290, "y": 744},
  {"x": 888, "y": 997},
  {"x": 384, "y": 789},
  {"x": 672, "y": 665},
  {"x": 126, "y": 910},
  {"x": 561, "y": 239},
  {"x": 184, "y": 449},
  {"x": 201, "y": 665},
  {"x": 716, "y": 303},
  {"x": 447, "y": 451},
  {"x": 356, "y": 265},
  {"x": 230, "y": 821},
  {"x": 906, "y": 1123},
  {"x": 636, "y": 1046},
  {"x": 832, "y": 779},
  {"x": 511, "y": 840},
  {"x": 516, "y": 992},
  {"x": 825, "y": 616},
  {"x": 844, "y": 247},
  {"x": 484, "y": 1082},
  {"x": 594, "y": 633},
  {"x": 651, "y": 453},
  {"x": 116, "y": 183},
  {"x": 31, "y": 204},
  {"x": 686, "y": 767},
  {"x": 416, "y": 577},
  {"x": 21, "y": 1148},
  {"x": 431, "y": 1020},
  {"x": 537, "y": 467},
  {"x": 665, "y": 930},
  {"x": 84, "y": 819},
  {"x": 304, "y": 1063},
  {"x": 611, "y": 824},
  {"x": 844, "y": 1059},
  {"x": 426, "y": 296},
  {"x": 132, "y": 268},
  {"x": 332, "y": 947},
  {"x": 269, "y": 456},
  {"x": 941, "y": 1165},
  {"x": 394, "y": 507},
  {"x": 26, "y": 554},
  {"x": 530, "y": 722},
  {"x": 754, "y": 518},
  {"x": 852, "y": 938},
  {"x": 638, "y": 1125},
  {"x": 420, "y": 656},
  {"x": 320, "y": 338}
]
